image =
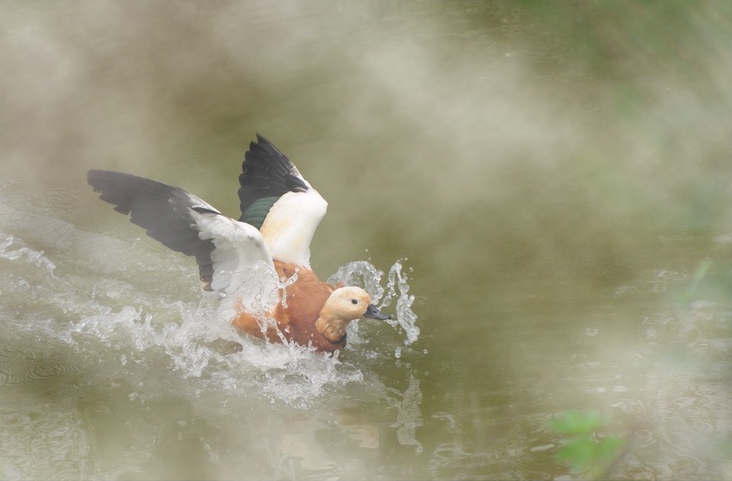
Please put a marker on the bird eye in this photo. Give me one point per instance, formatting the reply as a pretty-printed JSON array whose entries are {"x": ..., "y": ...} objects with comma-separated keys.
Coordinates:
[{"x": 354, "y": 301}]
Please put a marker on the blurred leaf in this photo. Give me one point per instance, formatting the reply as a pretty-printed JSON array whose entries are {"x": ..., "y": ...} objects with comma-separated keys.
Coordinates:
[
  {"x": 584, "y": 450},
  {"x": 580, "y": 452},
  {"x": 609, "y": 447},
  {"x": 577, "y": 422},
  {"x": 586, "y": 453},
  {"x": 707, "y": 282},
  {"x": 699, "y": 274}
]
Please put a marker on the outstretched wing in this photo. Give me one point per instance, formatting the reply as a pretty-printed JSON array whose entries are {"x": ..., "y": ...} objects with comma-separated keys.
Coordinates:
[
  {"x": 228, "y": 252},
  {"x": 267, "y": 174},
  {"x": 275, "y": 198}
]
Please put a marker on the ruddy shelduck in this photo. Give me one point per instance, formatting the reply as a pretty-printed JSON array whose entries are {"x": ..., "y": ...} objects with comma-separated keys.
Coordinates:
[{"x": 259, "y": 265}]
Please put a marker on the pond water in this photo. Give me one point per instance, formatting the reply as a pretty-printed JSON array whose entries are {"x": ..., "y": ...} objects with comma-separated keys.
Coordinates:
[{"x": 540, "y": 192}]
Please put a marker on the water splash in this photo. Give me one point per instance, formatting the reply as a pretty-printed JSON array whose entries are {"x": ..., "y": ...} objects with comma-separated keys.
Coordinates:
[
  {"x": 204, "y": 354},
  {"x": 362, "y": 274},
  {"x": 406, "y": 318},
  {"x": 130, "y": 325},
  {"x": 25, "y": 253},
  {"x": 368, "y": 277}
]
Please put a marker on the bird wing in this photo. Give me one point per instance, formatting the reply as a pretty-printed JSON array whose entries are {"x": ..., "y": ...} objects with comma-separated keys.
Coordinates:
[
  {"x": 275, "y": 198},
  {"x": 231, "y": 255}
]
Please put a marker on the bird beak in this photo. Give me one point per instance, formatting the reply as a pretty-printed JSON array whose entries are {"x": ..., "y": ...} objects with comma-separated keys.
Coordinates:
[{"x": 374, "y": 313}]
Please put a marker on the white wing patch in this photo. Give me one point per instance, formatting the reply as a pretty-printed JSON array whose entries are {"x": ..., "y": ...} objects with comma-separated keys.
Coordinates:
[
  {"x": 242, "y": 265},
  {"x": 290, "y": 225}
]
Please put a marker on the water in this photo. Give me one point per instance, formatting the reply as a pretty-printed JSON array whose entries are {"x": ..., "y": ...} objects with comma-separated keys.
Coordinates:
[
  {"x": 539, "y": 192},
  {"x": 83, "y": 336}
]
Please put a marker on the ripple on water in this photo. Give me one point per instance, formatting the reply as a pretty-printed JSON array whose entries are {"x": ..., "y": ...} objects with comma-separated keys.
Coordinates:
[
  {"x": 21, "y": 362},
  {"x": 44, "y": 442}
]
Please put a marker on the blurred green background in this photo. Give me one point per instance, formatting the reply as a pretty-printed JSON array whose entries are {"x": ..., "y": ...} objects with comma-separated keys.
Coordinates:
[{"x": 556, "y": 177}]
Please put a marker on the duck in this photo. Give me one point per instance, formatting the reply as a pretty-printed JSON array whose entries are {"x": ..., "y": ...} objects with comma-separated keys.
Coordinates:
[{"x": 259, "y": 264}]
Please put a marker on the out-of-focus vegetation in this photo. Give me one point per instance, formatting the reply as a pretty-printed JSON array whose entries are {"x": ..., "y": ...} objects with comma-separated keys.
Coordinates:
[
  {"x": 558, "y": 175},
  {"x": 585, "y": 447}
]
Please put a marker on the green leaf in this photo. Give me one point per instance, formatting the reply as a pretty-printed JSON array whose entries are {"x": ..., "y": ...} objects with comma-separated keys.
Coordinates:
[
  {"x": 577, "y": 422},
  {"x": 580, "y": 452},
  {"x": 609, "y": 447}
]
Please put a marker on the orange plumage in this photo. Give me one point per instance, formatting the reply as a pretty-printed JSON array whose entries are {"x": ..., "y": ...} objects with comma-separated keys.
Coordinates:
[{"x": 270, "y": 241}]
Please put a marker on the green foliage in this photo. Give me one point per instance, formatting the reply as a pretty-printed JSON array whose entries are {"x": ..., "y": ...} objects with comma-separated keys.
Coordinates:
[
  {"x": 577, "y": 422},
  {"x": 699, "y": 274},
  {"x": 711, "y": 280},
  {"x": 587, "y": 451}
]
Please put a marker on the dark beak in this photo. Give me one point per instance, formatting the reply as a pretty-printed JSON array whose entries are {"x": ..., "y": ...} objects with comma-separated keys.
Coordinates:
[{"x": 374, "y": 313}]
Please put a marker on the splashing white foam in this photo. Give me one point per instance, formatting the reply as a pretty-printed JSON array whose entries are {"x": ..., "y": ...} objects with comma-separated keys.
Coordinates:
[
  {"x": 365, "y": 275},
  {"x": 131, "y": 329},
  {"x": 25, "y": 253}
]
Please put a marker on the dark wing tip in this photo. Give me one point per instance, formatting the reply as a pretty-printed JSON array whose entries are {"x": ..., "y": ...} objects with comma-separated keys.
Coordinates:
[
  {"x": 261, "y": 140},
  {"x": 267, "y": 173},
  {"x": 160, "y": 209},
  {"x": 117, "y": 188}
]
